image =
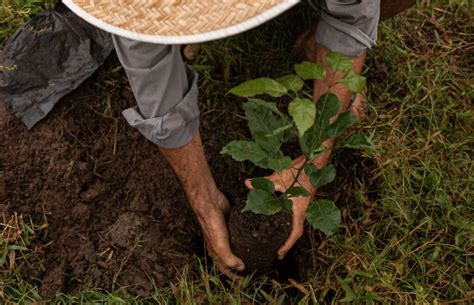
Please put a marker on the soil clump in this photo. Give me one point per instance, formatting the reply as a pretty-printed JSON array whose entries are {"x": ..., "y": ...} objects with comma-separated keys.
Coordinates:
[
  {"x": 256, "y": 238},
  {"x": 113, "y": 212},
  {"x": 116, "y": 214}
]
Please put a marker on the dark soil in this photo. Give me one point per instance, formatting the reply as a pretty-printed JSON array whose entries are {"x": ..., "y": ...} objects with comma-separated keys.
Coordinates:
[
  {"x": 390, "y": 8},
  {"x": 256, "y": 238},
  {"x": 116, "y": 214}
]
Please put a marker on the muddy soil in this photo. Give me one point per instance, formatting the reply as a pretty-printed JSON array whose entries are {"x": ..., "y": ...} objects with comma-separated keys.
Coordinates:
[
  {"x": 390, "y": 8},
  {"x": 256, "y": 238},
  {"x": 116, "y": 214}
]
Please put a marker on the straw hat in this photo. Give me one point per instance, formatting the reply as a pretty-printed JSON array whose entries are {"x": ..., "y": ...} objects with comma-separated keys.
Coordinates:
[{"x": 177, "y": 21}]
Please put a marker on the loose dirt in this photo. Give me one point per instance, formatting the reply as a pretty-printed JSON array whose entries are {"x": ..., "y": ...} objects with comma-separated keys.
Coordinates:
[
  {"x": 116, "y": 214},
  {"x": 256, "y": 238}
]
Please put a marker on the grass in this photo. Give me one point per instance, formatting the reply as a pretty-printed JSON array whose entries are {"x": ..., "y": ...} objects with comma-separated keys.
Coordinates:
[
  {"x": 14, "y": 13},
  {"x": 410, "y": 237}
]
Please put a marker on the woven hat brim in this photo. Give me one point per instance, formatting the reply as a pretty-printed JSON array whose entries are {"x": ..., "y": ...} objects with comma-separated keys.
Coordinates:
[{"x": 184, "y": 39}]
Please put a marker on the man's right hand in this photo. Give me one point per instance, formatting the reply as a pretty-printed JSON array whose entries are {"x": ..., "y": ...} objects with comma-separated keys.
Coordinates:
[
  {"x": 208, "y": 203},
  {"x": 212, "y": 215}
]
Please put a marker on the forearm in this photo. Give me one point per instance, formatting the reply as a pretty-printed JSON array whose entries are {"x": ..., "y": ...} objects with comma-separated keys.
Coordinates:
[{"x": 330, "y": 84}]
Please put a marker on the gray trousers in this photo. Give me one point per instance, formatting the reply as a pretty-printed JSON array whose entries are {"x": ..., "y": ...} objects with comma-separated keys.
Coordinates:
[{"x": 166, "y": 89}]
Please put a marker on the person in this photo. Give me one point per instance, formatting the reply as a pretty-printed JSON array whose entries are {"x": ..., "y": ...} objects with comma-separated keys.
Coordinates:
[{"x": 166, "y": 91}]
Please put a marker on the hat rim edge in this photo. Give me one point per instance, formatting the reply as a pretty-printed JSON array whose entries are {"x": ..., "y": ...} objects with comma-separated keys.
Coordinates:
[{"x": 184, "y": 39}]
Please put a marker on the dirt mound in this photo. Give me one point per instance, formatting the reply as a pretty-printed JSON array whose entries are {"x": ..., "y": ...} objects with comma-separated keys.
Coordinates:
[
  {"x": 116, "y": 214},
  {"x": 256, "y": 238}
]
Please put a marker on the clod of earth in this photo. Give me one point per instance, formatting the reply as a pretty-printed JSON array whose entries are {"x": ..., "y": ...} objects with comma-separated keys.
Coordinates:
[
  {"x": 256, "y": 238},
  {"x": 108, "y": 225},
  {"x": 3, "y": 189}
]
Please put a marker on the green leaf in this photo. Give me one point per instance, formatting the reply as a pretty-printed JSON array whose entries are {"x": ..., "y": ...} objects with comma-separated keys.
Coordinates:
[
  {"x": 317, "y": 152},
  {"x": 303, "y": 112},
  {"x": 279, "y": 130},
  {"x": 359, "y": 141},
  {"x": 323, "y": 176},
  {"x": 3, "y": 258},
  {"x": 309, "y": 169},
  {"x": 291, "y": 82},
  {"x": 263, "y": 202},
  {"x": 344, "y": 120},
  {"x": 339, "y": 62},
  {"x": 260, "y": 113},
  {"x": 271, "y": 145},
  {"x": 269, "y": 105},
  {"x": 353, "y": 81},
  {"x": 261, "y": 117},
  {"x": 262, "y": 122},
  {"x": 279, "y": 164},
  {"x": 323, "y": 215},
  {"x": 244, "y": 150},
  {"x": 261, "y": 183},
  {"x": 296, "y": 191},
  {"x": 308, "y": 70},
  {"x": 257, "y": 86},
  {"x": 350, "y": 295},
  {"x": 286, "y": 205},
  {"x": 326, "y": 107}
]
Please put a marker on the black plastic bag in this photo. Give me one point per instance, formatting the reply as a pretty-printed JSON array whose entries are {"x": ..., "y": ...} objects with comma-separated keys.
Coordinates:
[{"x": 50, "y": 56}]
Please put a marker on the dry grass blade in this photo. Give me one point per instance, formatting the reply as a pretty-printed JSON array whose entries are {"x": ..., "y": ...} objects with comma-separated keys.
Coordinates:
[{"x": 11, "y": 241}]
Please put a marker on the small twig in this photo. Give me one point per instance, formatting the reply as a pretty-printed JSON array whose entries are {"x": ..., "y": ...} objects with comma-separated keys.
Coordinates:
[
  {"x": 116, "y": 135},
  {"x": 298, "y": 286},
  {"x": 458, "y": 301}
]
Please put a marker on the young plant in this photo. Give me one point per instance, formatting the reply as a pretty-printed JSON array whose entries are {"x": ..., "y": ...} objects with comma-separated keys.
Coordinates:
[{"x": 309, "y": 122}]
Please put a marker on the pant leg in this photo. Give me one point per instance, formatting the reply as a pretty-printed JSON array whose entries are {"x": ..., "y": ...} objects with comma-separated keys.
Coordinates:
[
  {"x": 165, "y": 89},
  {"x": 348, "y": 26}
]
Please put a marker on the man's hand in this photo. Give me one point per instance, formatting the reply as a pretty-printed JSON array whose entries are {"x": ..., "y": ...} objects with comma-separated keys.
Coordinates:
[
  {"x": 212, "y": 213},
  {"x": 208, "y": 203},
  {"x": 282, "y": 181}
]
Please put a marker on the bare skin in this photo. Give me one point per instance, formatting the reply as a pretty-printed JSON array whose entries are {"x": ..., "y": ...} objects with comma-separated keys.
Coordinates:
[
  {"x": 208, "y": 203},
  {"x": 284, "y": 179}
]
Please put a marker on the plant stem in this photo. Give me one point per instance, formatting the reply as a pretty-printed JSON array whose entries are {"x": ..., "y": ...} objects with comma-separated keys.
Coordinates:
[{"x": 298, "y": 173}]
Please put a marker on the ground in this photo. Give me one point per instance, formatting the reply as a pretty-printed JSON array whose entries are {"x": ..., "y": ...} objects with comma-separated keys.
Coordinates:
[{"x": 93, "y": 213}]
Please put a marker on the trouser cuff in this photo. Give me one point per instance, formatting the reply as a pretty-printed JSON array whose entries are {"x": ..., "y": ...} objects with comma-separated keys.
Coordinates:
[
  {"x": 175, "y": 128},
  {"x": 342, "y": 37}
]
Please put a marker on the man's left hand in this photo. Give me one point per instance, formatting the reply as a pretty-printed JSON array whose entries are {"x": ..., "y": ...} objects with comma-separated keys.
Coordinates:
[{"x": 284, "y": 180}]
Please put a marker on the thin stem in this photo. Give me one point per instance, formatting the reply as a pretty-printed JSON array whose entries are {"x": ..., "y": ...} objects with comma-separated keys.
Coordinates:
[
  {"x": 298, "y": 173},
  {"x": 295, "y": 177}
]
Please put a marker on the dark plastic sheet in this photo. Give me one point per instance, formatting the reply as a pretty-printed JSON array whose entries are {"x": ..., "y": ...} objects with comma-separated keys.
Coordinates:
[{"x": 50, "y": 56}]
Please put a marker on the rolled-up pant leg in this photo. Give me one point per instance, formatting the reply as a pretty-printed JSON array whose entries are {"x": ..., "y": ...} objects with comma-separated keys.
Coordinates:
[
  {"x": 165, "y": 89},
  {"x": 348, "y": 26}
]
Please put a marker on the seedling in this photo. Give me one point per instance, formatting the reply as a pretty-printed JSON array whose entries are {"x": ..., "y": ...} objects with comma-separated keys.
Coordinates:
[{"x": 309, "y": 122}]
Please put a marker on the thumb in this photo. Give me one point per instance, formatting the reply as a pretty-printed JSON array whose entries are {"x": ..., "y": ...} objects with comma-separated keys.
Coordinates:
[
  {"x": 248, "y": 184},
  {"x": 279, "y": 187},
  {"x": 237, "y": 264}
]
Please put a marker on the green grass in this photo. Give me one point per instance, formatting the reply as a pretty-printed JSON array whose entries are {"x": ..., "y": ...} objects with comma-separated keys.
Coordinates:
[
  {"x": 13, "y": 13},
  {"x": 410, "y": 237}
]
